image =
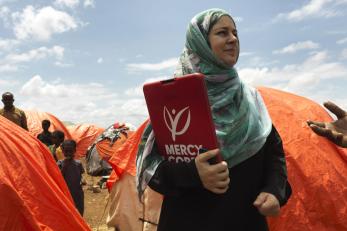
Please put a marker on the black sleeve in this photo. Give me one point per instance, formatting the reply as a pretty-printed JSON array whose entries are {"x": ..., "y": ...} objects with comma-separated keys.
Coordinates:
[
  {"x": 275, "y": 169},
  {"x": 174, "y": 178}
]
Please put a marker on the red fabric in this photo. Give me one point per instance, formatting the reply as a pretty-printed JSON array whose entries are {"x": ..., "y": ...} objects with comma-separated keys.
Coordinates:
[
  {"x": 33, "y": 193},
  {"x": 124, "y": 157},
  {"x": 84, "y": 135},
  {"x": 317, "y": 169},
  {"x": 34, "y": 119}
]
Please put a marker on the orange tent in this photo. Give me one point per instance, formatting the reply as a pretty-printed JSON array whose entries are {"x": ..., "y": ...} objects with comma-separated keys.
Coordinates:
[
  {"x": 84, "y": 135},
  {"x": 104, "y": 147},
  {"x": 33, "y": 193},
  {"x": 34, "y": 119},
  {"x": 123, "y": 159},
  {"x": 317, "y": 169}
]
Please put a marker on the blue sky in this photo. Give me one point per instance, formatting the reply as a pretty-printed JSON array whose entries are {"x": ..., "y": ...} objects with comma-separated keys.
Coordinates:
[{"x": 85, "y": 61}]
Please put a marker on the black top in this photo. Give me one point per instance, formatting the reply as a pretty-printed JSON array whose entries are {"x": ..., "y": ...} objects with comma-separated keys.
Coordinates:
[
  {"x": 45, "y": 137},
  {"x": 72, "y": 171},
  {"x": 188, "y": 206}
]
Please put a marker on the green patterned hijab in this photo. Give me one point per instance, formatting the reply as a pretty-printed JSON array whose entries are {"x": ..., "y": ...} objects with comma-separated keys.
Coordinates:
[{"x": 241, "y": 119}]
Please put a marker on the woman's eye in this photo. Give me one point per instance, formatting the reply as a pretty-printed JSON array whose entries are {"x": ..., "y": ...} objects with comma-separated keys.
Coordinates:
[{"x": 222, "y": 33}]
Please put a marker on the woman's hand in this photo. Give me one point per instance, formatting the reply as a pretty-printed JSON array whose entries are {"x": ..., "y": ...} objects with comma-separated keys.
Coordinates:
[
  {"x": 215, "y": 178},
  {"x": 267, "y": 204},
  {"x": 335, "y": 131}
]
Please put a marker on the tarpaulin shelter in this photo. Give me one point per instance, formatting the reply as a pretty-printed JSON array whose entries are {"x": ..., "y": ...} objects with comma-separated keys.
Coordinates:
[
  {"x": 123, "y": 160},
  {"x": 104, "y": 148},
  {"x": 126, "y": 211},
  {"x": 34, "y": 120},
  {"x": 33, "y": 193},
  {"x": 317, "y": 169},
  {"x": 84, "y": 135}
]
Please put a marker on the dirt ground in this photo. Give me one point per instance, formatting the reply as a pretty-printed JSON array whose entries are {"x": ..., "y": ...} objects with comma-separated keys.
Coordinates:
[{"x": 95, "y": 211}]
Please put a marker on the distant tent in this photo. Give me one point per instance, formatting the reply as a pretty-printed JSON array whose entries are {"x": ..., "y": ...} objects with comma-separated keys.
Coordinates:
[
  {"x": 84, "y": 135},
  {"x": 33, "y": 193},
  {"x": 123, "y": 160},
  {"x": 317, "y": 169},
  {"x": 35, "y": 118},
  {"x": 104, "y": 148}
]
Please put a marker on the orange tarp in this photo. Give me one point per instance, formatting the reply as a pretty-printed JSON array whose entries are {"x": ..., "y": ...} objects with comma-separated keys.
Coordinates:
[
  {"x": 33, "y": 193},
  {"x": 84, "y": 135},
  {"x": 124, "y": 157},
  {"x": 317, "y": 169},
  {"x": 34, "y": 119}
]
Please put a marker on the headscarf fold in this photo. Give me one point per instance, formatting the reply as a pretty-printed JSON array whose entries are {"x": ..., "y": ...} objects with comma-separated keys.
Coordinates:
[{"x": 241, "y": 119}]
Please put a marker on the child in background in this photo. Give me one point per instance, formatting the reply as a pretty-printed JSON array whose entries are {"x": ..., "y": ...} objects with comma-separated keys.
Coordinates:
[
  {"x": 45, "y": 136},
  {"x": 57, "y": 138},
  {"x": 72, "y": 171}
]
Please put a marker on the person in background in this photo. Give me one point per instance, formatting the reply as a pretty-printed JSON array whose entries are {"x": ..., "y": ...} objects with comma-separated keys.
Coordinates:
[
  {"x": 251, "y": 183},
  {"x": 72, "y": 171},
  {"x": 45, "y": 136},
  {"x": 57, "y": 139},
  {"x": 335, "y": 131},
  {"x": 11, "y": 112}
]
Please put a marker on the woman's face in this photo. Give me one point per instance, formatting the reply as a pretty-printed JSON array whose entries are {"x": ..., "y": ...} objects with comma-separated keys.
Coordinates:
[{"x": 224, "y": 42}]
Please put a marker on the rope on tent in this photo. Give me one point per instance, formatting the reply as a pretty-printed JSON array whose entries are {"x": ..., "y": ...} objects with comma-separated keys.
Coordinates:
[{"x": 103, "y": 213}]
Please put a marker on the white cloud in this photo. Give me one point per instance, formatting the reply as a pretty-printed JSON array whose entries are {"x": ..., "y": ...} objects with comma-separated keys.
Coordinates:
[
  {"x": 166, "y": 64},
  {"x": 4, "y": 11},
  {"x": 342, "y": 41},
  {"x": 11, "y": 62},
  {"x": 89, "y": 3},
  {"x": 6, "y": 67},
  {"x": 246, "y": 53},
  {"x": 294, "y": 47},
  {"x": 41, "y": 24},
  {"x": 67, "y": 3},
  {"x": 344, "y": 53},
  {"x": 238, "y": 19},
  {"x": 81, "y": 103},
  {"x": 100, "y": 60},
  {"x": 36, "y": 54},
  {"x": 315, "y": 8},
  {"x": 138, "y": 91},
  {"x": 5, "y": 15},
  {"x": 7, "y": 83},
  {"x": 302, "y": 79},
  {"x": 62, "y": 64},
  {"x": 8, "y": 44}
]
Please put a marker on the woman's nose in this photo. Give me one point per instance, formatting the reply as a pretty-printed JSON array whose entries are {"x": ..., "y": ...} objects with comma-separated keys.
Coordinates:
[{"x": 232, "y": 38}]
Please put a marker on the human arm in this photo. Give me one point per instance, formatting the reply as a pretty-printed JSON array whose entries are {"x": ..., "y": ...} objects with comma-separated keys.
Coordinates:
[
  {"x": 24, "y": 121},
  {"x": 276, "y": 190},
  {"x": 335, "y": 131}
]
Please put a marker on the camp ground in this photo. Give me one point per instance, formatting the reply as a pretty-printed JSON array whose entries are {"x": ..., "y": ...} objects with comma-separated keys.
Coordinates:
[{"x": 35, "y": 196}]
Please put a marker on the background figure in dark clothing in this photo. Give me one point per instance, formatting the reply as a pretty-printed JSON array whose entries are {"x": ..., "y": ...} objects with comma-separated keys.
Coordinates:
[
  {"x": 335, "y": 131},
  {"x": 72, "y": 171},
  {"x": 45, "y": 136},
  {"x": 11, "y": 112}
]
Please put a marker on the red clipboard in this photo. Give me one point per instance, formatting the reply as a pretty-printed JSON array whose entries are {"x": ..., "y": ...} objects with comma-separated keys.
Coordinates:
[{"x": 180, "y": 115}]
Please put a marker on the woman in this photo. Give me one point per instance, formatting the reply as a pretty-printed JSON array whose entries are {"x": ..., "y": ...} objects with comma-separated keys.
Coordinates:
[{"x": 251, "y": 182}]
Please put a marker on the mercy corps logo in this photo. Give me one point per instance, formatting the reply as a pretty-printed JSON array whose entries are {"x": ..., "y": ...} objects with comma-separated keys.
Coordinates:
[{"x": 173, "y": 119}]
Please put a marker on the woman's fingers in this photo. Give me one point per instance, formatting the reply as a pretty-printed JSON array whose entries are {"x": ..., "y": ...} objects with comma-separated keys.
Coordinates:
[
  {"x": 316, "y": 123},
  {"x": 214, "y": 178}
]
